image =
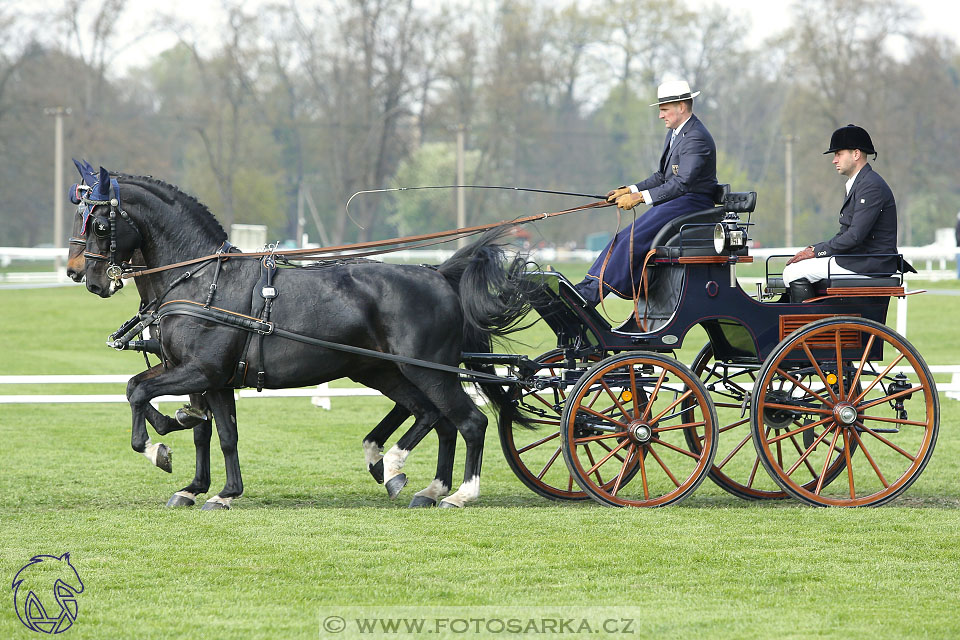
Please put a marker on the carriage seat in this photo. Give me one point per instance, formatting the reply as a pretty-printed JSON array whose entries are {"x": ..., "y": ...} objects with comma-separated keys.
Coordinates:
[
  {"x": 697, "y": 238},
  {"x": 775, "y": 283}
]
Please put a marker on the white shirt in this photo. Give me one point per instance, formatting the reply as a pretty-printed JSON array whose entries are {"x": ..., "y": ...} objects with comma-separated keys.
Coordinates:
[{"x": 850, "y": 181}]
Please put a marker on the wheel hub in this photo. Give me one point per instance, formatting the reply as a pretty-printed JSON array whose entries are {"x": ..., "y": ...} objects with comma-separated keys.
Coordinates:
[
  {"x": 845, "y": 414},
  {"x": 640, "y": 432}
]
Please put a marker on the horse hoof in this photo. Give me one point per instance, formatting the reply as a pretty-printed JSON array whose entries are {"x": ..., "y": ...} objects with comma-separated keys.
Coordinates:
[
  {"x": 422, "y": 501},
  {"x": 376, "y": 470},
  {"x": 180, "y": 501},
  {"x": 165, "y": 458},
  {"x": 447, "y": 505},
  {"x": 211, "y": 505},
  {"x": 395, "y": 484}
]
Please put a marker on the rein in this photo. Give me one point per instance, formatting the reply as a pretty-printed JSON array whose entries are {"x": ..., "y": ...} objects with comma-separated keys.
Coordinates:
[{"x": 407, "y": 242}]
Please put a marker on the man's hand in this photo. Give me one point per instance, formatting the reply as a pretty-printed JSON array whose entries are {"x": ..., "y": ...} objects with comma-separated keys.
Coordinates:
[
  {"x": 614, "y": 195},
  {"x": 803, "y": 254},
  {"x": 629, "y": 201}
]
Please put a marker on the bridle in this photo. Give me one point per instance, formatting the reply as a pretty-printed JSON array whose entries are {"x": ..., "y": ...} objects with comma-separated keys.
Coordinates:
[{"x": 106, "y": 228}]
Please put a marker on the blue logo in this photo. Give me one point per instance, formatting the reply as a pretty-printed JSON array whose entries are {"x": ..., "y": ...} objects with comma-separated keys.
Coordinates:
[{"x": 45, "y": 593}]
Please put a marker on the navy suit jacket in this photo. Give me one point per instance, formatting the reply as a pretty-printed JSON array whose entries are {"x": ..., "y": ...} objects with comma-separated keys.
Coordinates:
[
  {"x": 689, "y": 167},
  {"x": 868, "y": 225}
]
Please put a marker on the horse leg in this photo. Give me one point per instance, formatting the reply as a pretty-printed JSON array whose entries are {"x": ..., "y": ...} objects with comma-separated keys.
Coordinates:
[
  {"x": 373, "y": 442},
  {"x": 443, "y": 480},
  {"x": 450, "y": 398},
  {"x": 187, "y": 497},
  {"x": 224, "y": 408},
  {"x": 144, "y": 387}
]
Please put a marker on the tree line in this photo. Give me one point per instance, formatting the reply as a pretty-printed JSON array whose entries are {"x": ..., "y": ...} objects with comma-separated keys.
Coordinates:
[{"x": 284, "y": 111}]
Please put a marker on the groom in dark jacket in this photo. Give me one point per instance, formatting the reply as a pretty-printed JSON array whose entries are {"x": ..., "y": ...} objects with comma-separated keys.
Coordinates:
[
  {"x": 684, "y": 182},
  {"x": 868, "y": 222}
]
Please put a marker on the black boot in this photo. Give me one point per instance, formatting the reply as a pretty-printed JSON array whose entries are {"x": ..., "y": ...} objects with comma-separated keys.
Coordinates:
[
  {"x": 589, "y": 288},
  {"x": 801, "y": 290}
]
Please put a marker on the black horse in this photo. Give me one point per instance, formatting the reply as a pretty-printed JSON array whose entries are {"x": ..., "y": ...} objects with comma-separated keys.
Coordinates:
[
  {"x": 425, "y": 314},
  {"x": 196, "y": 414}
]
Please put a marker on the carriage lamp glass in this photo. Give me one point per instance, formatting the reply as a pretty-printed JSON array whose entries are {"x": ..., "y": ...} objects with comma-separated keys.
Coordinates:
[{"x": 727, "y": 236}]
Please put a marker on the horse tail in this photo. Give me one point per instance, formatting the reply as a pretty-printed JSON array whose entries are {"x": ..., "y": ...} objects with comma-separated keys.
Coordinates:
[
  {"x": 495, "y": 297},
  {"x": 494, "y": 294}
]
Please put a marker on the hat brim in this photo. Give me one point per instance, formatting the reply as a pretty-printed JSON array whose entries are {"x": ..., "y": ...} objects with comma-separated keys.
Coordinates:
[{"x": 679, "y": 98}]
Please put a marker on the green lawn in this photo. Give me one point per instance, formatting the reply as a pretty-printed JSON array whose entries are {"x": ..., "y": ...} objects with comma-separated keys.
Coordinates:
[{"x": 314, "y": 535}]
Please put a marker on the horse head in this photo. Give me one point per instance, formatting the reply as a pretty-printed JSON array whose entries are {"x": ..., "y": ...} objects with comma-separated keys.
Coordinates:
[
  {"x": 164, "y": 226},
  {"x": 42, "y": 581},
  {"x": 114, "y": 238}
]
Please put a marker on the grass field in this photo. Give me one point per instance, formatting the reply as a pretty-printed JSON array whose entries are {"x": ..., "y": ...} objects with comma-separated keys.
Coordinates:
[{"x": 315, "y": 536}]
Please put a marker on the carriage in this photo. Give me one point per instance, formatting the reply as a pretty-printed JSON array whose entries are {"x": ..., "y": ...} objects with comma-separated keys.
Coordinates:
[
  {"x": 840, "y": 409},
  {"x": 837, "y": 408}
]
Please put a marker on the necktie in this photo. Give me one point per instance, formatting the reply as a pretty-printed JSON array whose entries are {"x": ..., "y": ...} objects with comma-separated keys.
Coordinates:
[{"x": 673, "y": 138}]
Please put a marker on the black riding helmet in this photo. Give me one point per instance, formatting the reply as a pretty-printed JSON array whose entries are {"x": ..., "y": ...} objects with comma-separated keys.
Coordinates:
[{"x": 851, "y": 137}]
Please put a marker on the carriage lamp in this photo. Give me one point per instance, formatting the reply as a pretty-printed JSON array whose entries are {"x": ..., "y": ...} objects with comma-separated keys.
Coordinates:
[{"x": 728, "y": 236}]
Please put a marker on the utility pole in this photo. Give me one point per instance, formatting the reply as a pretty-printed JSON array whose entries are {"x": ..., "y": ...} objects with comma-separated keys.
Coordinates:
[
  {"x": 58, "y": 191},
  {"x": 461, "y": 208},
  {"x": 789, "y": 139}
]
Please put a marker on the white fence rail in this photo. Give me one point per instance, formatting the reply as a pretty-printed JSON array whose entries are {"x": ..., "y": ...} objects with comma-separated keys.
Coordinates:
[{"x": 320, "y": 395}]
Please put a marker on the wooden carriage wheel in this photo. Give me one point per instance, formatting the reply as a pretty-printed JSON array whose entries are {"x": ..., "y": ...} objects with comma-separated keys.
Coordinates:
[
  {"x": 880, "y": 408},
  {"x": 736, "y": 468},
  {"x": 534, "y": 456},
  {"x": 637, "y": 405}
]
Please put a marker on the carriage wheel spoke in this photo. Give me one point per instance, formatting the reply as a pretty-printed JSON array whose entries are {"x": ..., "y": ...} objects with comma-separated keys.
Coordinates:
[
  {"x": 586, "y": 448},
  {"x": 860, "y": 367},
  {"x": 916, "y": 423},
  {"x": 623, "y": 469},
  {"x": 846, "y": 454},
  {"x": 602, "y": 436},
  {"x": 892, "y": 396},
  {"x": 753, "y": 473},
  {"x": 809, "y": 450},
  {"x": 603, "y": 460},
  {"x": 538, "y": 442},
  {"x": 878, "y": 378},
  {"x": 603, "y": 416},
  {"x": 794, "y": 432},
  {"x": 887, "y": 442},
  {"x": 549, "y": 464},
  {"x": 663, "y": 465},
  {"x": 653, "y": 394},
  {"x": 796, "y": 383},
  {"x": 633, "y": 390},
  {"x": 673, "y": 447},
  {"x": 816, "y": 367},
  {"x": 671, "y": 406},
  {"x": 734, "y": 425},
  {"x": 826, "y": 462},
  {"x": 616, "y": 400},
  {"x": 730, "y": 455},
  {"x": 643, "y": 476},
  {"x": 806, "y": 463},
  {"x": 876, "y": 469},
  {"x": 685, "y": 425}
]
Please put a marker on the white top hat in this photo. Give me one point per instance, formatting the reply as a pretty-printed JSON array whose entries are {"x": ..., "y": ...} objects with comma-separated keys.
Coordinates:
[{"x": 674, "y": 91}]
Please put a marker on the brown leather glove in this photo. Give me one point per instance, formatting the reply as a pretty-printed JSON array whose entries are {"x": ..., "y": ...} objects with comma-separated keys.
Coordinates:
[
  {"x": 629, "y": 201},
  {"x": 803, "y": 254},
  {"x": 614, "y": 194}
]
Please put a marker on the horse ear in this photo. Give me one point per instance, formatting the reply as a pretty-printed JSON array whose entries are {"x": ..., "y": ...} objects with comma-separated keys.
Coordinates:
[
  {"x": 79, "y": 166},
  {"x": 104, "y": 177}
]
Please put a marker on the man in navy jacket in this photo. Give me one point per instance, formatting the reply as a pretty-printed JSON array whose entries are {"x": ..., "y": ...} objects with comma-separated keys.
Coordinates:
[
  {"x": 684, "y": 182},
  {"x": 868, "y": 222}
]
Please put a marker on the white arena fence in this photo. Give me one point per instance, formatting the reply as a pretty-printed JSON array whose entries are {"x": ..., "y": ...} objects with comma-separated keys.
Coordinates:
[{"x": 320, "y": 396}]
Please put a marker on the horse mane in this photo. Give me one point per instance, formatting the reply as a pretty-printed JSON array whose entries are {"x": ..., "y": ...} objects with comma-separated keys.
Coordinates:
[{"x": 184, "y": 203}]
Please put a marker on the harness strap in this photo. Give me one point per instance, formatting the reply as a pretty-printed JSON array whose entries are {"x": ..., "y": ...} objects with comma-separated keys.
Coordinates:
[
  {"x": 305, "y": 254},
  {"x": 248, "y": 323}
]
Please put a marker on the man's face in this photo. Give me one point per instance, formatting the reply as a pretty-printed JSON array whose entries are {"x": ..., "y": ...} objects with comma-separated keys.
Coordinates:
[
  {"x": 845, "y": 160},
  {"x": 672, "y": 114}
]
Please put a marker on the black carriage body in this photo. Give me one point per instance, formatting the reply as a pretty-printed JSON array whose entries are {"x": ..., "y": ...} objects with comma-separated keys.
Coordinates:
[{"x": 740, "y": 327}]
